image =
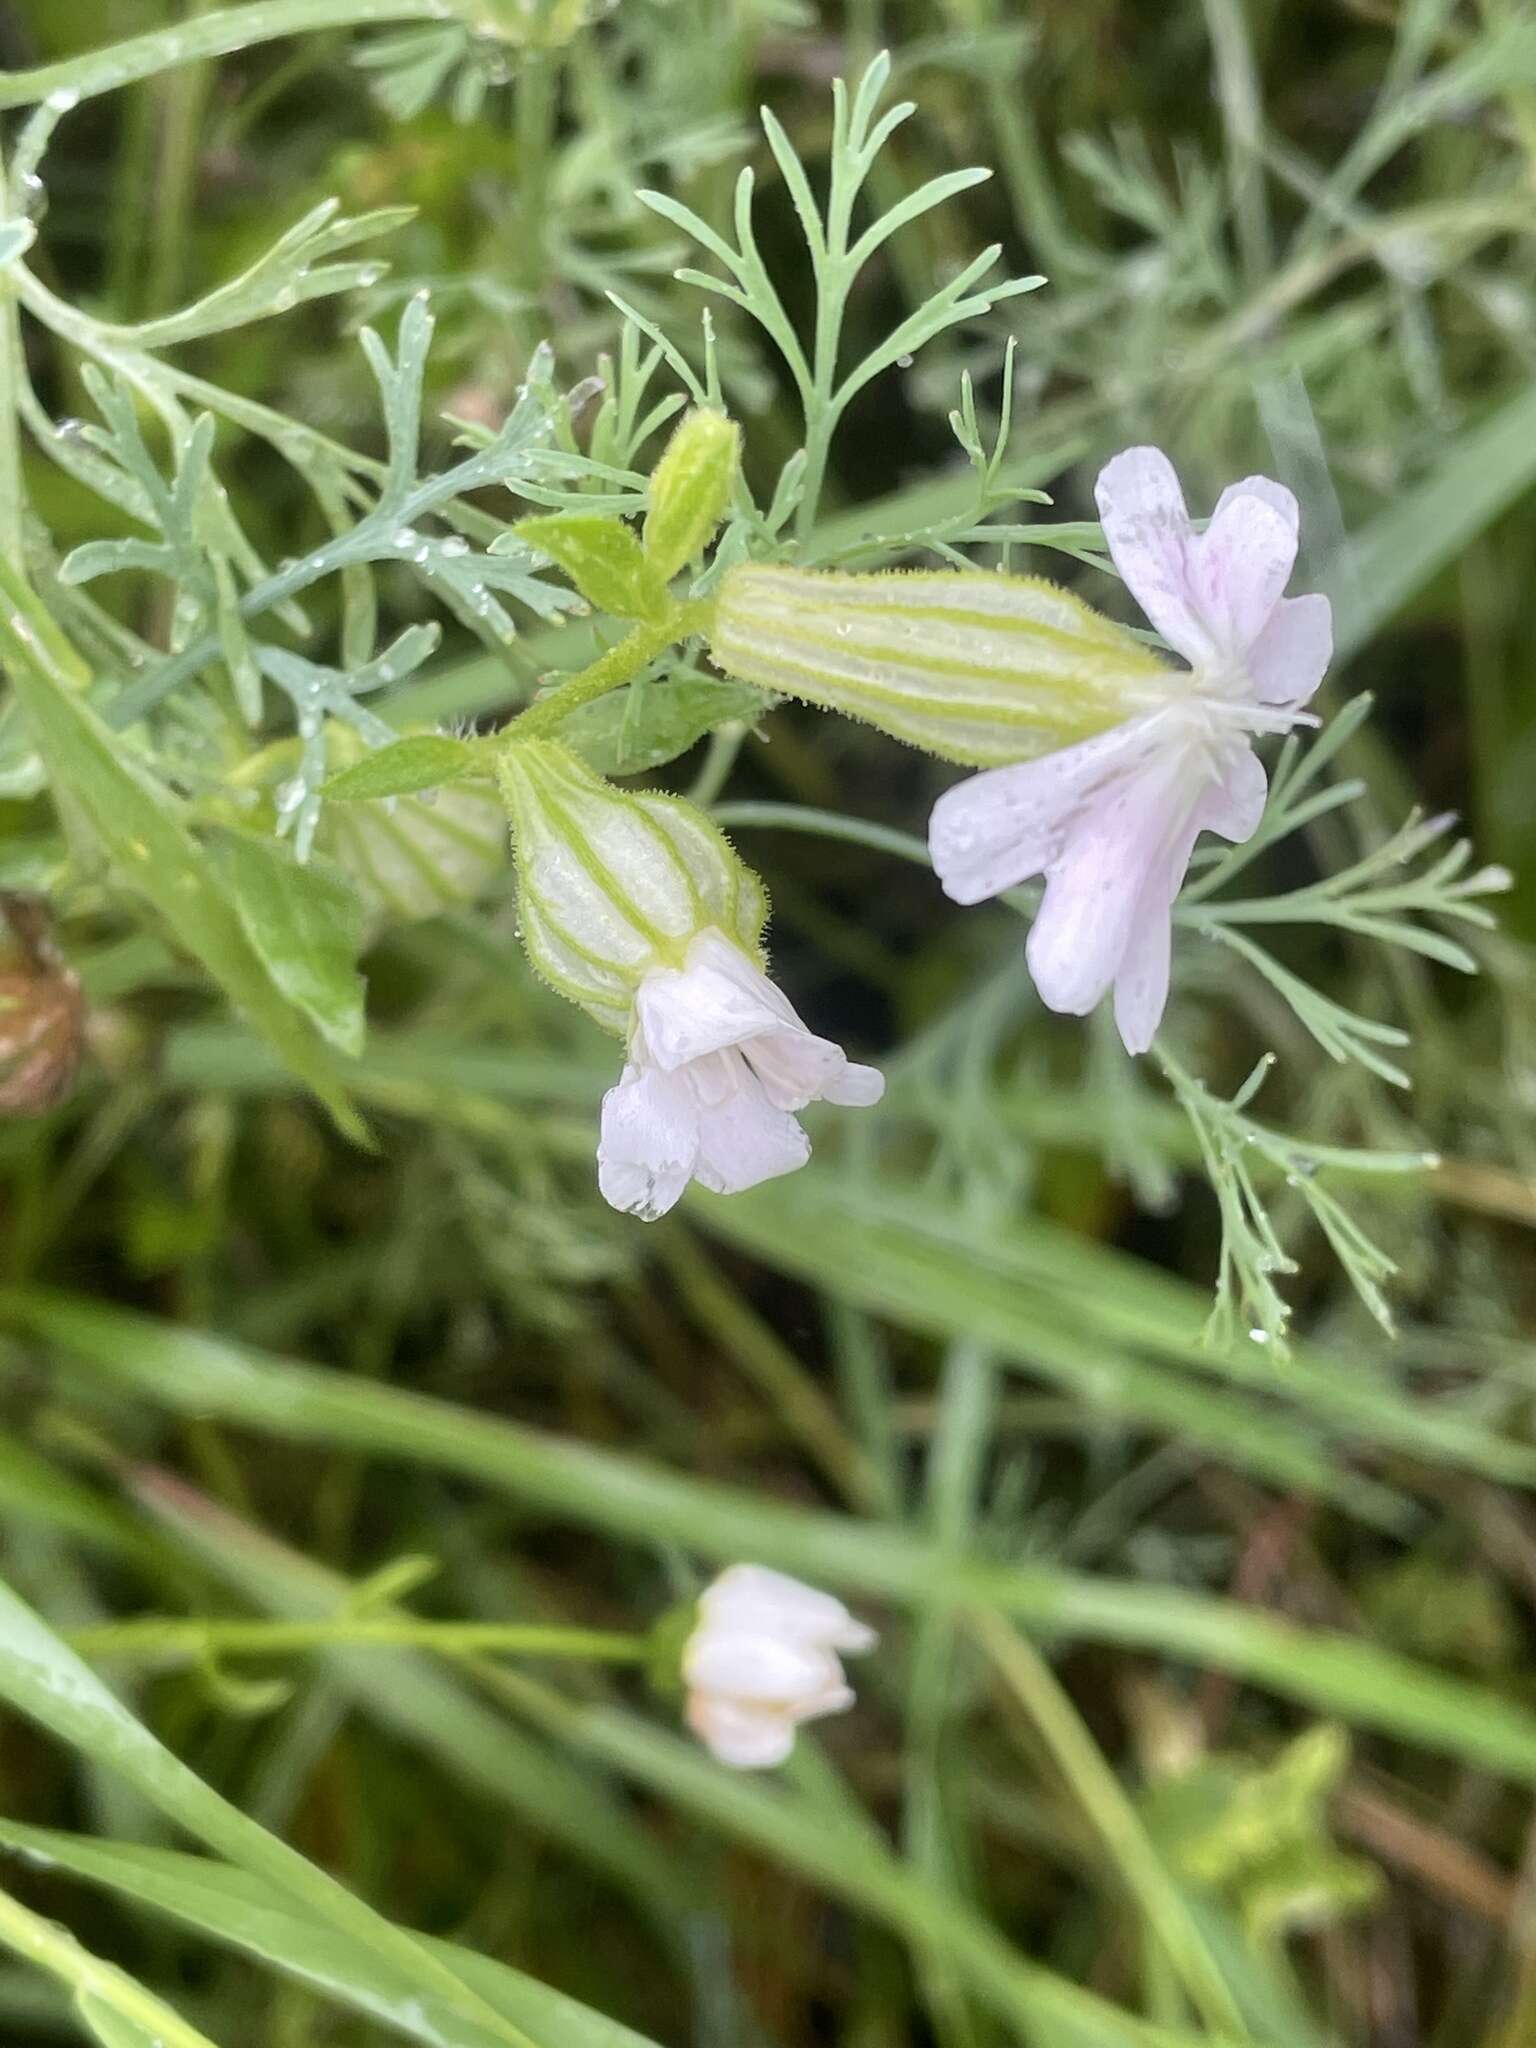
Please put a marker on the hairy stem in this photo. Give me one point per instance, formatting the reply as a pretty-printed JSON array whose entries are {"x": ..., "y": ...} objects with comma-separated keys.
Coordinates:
[{"x": 623, "y": 661}]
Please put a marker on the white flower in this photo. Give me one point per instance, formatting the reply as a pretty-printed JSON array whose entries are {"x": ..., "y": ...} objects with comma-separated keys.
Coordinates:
[
  {"x": 718, "y": 1063},
  {"x": 762, "y": 1659},
  {"x": 1111, "y": 822}
]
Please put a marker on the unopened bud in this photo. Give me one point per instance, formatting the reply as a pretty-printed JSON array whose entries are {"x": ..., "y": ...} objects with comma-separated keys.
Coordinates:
[
  {"x": 975, "y": 667},
  {"x": 690, "y": 488},
  {"x": 613, "y": 883}
]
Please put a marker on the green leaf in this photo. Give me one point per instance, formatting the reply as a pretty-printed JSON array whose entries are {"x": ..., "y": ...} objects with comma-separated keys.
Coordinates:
[
  {"x": 648, "y": 724},
  {"x": 849, "y": 1863},
  {"x": 1426, "y": 527},
  {"x": 307, "y": 926},
  {"x": 246, "y": 1913},
  {"x": 44, "y": 1679},
  {"x": 689, "y": 490},
  {"x": 432, "y": 1708},
  {"x": 603, "y": 559},
  {"x": 155, "y": 857},
  {"x": 423, "y": 761},
  {"x": 112, "y": 2028}
]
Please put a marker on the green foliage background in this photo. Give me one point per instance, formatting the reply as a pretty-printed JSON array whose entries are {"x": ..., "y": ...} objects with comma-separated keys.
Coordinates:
[{"x": 1204, "y": 1708}]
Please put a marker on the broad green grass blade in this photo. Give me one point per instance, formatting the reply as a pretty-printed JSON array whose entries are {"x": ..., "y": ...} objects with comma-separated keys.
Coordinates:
[
  {"x": 119, "y": 2011},
  {"x": 36, "y": 1490},
  {"x": 1044, "y": 2007},
  {"x": 1427, "y": 527},
  {"x": 245, "y": 1912},
  {"x": 430, "y": 1707},
  {"x": 1046, "y": 1297},
  {"x": 43, "y": 1679},
  {"x": 189, "y": 1373}
]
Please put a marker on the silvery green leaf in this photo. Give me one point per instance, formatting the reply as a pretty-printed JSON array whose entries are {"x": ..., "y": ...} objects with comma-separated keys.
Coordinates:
[{"x": 651, "y": 723}]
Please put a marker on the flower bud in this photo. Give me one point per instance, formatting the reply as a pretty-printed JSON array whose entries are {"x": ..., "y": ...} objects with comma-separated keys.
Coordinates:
[
  {"x": 762, "y": 1659},
  {"x": 689, "y": 490},
  {"x": 975, "y": 667},
  {"x": 614, "y": 884}
]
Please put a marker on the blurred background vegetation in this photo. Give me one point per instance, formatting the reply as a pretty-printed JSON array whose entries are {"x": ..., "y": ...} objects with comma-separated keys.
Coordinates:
[{"x": 955, "y": 1368}]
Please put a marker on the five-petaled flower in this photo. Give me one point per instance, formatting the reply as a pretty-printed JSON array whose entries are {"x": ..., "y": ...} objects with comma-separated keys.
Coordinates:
[
  {"x": 762, "y": 1659},
  {"x": 718, "y": 1064},
  {"x": 1112, "y": 821},
  {"x": 635, "y": 906}
]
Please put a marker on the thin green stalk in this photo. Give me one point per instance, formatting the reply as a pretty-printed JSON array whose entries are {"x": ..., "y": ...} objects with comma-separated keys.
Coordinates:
[
  {"x": 1242, "y": 114},
  {"x": 51, "y": 1948},
  {"x": 825, "y": 825},
  {"x": 12, "y": 500},
  {"x": 1100, "y": 1796},
  {"x": 156, "y": 1639},
  {"x": 183, "y": 102},
  {"x": 801, "y": 1405},
  {"x": 623, "y": 661},
  {"x": 212, "y": 35}
]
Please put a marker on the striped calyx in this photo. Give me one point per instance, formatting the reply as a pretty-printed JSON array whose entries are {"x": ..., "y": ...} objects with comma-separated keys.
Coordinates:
[
  {"x": 973, "y": 666},
  {"x": 614, "y": 884}
]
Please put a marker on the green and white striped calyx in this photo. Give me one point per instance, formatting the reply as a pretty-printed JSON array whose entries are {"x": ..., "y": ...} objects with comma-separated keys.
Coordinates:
[
  {"x": 613, "y": 884},
  {"x": 976, "y": 667}
]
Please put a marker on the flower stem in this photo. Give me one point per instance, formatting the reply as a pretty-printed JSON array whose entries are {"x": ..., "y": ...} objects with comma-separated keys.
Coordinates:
[
  {"x": 50, "y": 1948},
  {"x": 156, "y": 1639},
  {"x": 612, "y": 670},
  {"x": 11, "y": 499},
  {"x": 212, "y": 35}
]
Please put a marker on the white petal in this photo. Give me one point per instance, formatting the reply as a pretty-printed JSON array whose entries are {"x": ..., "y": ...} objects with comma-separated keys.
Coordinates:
[
  {"x": 1291, "y": 656},
  {"x": 996, "y": 829},
  {"x": 649, "y": 1142},
  {"x": 795, "y": 1067},
  {"x": 745, "y": 1664},
  {"x": 745, "y": 1139},
  {"x": 855, "y": 1087},
  {"x": 1241, "y": 564},
  {"x": 757, "y": 1595},
  {"x": 1149, "y": 535},
  {"x": 1265, "y": 487},
  {"x": 1084, "y": 924},
  {"x": 719, "y": 998},
  {"x": 740, "y": 1737},
  {"x": 1231, "y": 805},
  {"x": 1234, "y": 805},
  {"x": 1141, "y": 986}
]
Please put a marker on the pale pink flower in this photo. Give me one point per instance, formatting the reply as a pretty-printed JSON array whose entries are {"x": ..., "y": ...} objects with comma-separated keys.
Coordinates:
[
  {"x": 718, "y": 1064},
  {"x": 762, "y": 1659},
  {"x": 1111, "y": 822}
]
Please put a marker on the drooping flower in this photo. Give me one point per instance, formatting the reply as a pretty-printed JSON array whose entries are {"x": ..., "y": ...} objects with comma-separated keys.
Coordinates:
[
  {"x": 1111, "y": 822},
  {"x": 637, "y": 908},
  {"x": 718, "y": 1064},
  {"x": 762, "y": 1659}
]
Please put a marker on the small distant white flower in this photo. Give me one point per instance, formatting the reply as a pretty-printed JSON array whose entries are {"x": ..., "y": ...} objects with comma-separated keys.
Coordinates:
[
  {"x": 1111, "y": 822},
  {"x": 762, "y": 1659},
  {"x": 718, "y": 1064}
]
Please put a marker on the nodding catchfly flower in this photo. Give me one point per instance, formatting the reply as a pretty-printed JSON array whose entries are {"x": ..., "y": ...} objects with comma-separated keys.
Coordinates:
[
  {"x": 1111, "y": 822},
  {"x": 762, "y": 1658},
  {"x": 635, "y": 906}
]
